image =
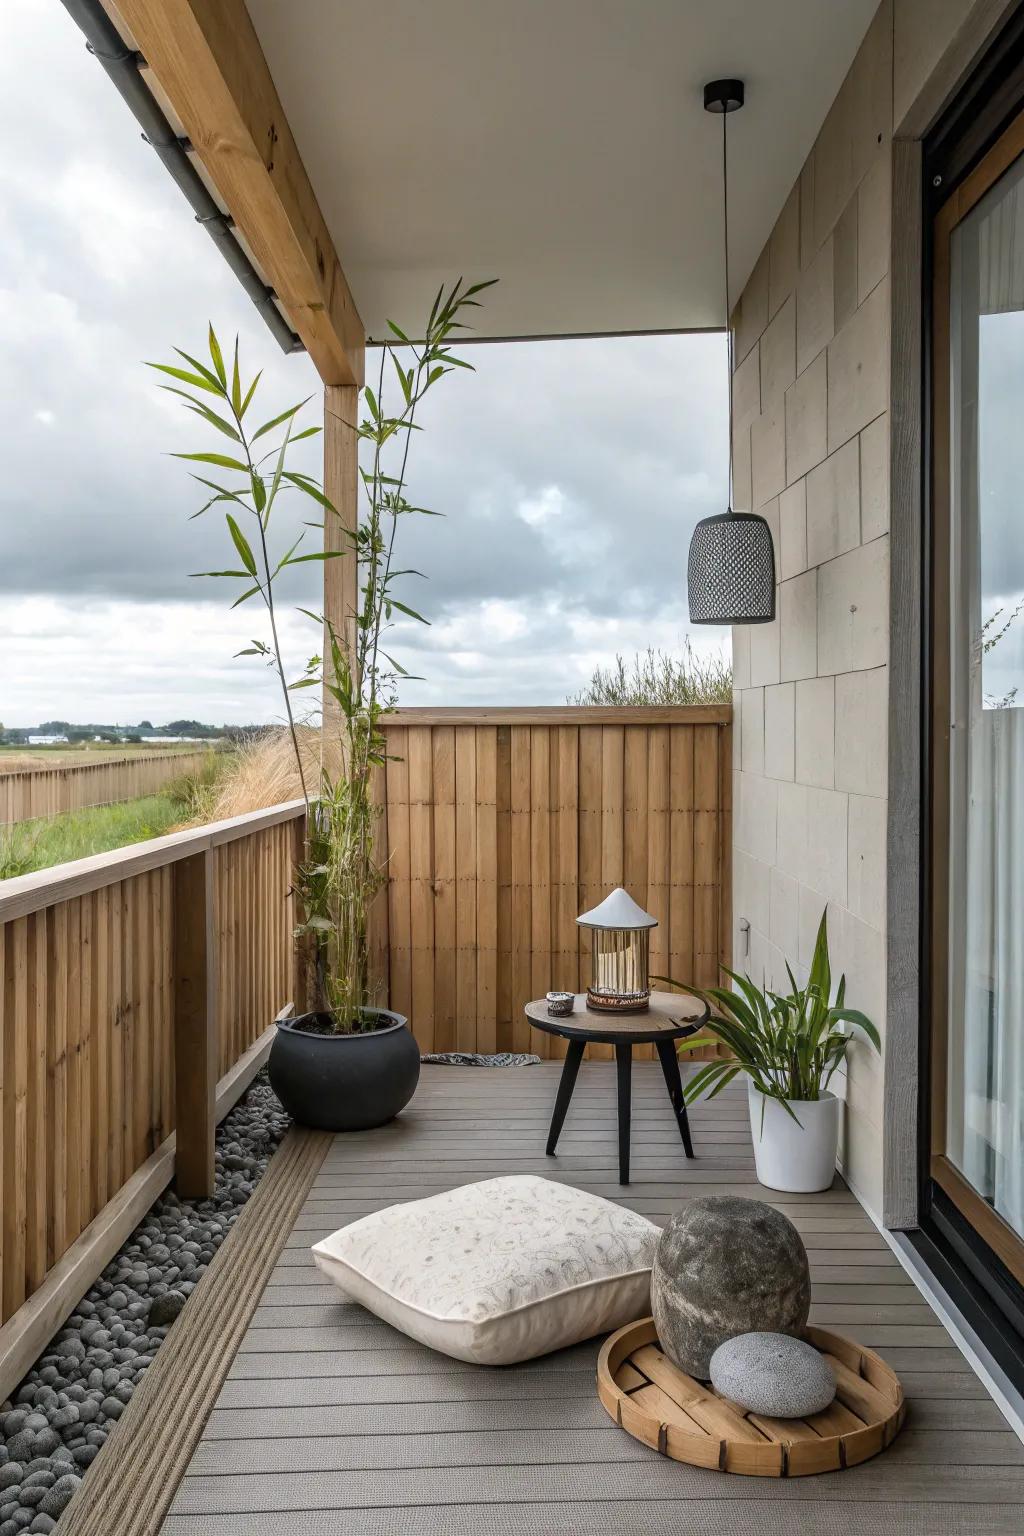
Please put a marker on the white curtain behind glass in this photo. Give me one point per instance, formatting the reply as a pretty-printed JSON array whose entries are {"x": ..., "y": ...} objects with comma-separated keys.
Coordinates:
[{"x": 985, "y": 1130}]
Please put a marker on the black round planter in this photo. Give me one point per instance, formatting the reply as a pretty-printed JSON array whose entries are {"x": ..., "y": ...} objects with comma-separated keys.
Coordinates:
[{"x": 333, "y": 1082}]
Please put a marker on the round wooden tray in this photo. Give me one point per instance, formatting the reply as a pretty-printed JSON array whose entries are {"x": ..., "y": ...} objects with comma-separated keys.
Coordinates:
[{"x": 656, "y": 1402}]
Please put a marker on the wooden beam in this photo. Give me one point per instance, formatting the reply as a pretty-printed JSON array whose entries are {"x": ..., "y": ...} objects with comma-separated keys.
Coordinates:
[
  {"x": 207, "y": 61},
  {"x": 195, "y": 1026}
]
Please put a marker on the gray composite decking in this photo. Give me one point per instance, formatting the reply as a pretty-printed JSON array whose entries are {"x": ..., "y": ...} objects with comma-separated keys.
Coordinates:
[{"x": 333, "y": 1424}]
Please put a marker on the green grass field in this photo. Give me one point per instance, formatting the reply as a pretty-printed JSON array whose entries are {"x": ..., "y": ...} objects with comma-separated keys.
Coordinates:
[{"x": 32, "y": 845}]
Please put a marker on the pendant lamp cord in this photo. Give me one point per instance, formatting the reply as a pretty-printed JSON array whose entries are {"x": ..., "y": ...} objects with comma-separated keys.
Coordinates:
[{"x": 728, "y": 315}]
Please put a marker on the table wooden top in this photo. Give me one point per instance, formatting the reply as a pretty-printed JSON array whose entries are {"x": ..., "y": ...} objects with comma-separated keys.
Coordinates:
[{"x": 671, "y": 1015}]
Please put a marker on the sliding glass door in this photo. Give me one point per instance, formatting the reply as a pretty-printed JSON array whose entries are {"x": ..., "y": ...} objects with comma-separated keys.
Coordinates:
[{"x": 977, "y": 1154}]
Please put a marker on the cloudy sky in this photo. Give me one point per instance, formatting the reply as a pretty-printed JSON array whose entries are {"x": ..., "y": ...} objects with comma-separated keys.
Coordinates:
[{"x": 570, "y": 474}]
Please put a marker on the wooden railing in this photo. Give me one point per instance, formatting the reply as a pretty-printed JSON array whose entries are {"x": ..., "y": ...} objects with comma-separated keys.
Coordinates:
[
  {"x": 137, "y": 991},
  {"x": 28, "y": 793},
  {"x": 502, "y": 825}
]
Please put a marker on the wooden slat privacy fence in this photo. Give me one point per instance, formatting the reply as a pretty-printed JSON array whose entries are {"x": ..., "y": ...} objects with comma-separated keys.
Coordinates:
[
  {"x": 28, "y": 793},
  {"x": 92, "y": 970},
  {"x": 503, "y": 825}
]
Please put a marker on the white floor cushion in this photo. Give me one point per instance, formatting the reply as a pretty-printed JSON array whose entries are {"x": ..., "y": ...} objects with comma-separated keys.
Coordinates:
[{"x": 498, "y": 1271}]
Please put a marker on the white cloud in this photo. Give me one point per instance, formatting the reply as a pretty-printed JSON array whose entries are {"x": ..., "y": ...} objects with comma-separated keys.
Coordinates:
[{"x": 570, "y": 474}]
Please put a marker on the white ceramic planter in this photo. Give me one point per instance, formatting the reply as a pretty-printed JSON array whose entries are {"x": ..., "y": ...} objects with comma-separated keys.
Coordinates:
[{"x": 789, "y": 1156}]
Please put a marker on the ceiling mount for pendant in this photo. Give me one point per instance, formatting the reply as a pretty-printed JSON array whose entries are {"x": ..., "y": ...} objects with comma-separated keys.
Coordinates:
[
  {"x": 723, "y": 96},
  {"x": 731, "y": 568}
]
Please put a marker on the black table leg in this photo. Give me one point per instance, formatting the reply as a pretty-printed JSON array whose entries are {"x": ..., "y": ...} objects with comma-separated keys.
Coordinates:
[
  {"x": 623, "y": 1074},
  {"x": 670, "y": 1067},
  {"x": 566, "y": 1084}
]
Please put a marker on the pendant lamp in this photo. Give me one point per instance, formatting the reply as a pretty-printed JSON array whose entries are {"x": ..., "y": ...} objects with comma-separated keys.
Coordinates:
[{"x": 731, "y": 569}]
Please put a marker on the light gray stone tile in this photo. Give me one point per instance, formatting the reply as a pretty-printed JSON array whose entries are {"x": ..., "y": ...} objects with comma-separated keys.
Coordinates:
[
  {"x": 808, "y": 245},
  {"x": 742, "y": 495},
  {"x": 777, "y": 349},
  {"x": 768, "y": 454},
  {"x": 806, "y": 421},
  {"x": 746, "y": 388},
  {"x": 862, "y": 713},
  {"x": 867, "y": 858},
  {"x": 844, "y": 281},
  {"x": 752, "y": 730},
  {"x": 812, "y": 838},
  {"x": 858, "y": 368},
  {"x": 816, "y": 732},
  {"x": 874, "y": 197},
  {"x": 798, "y": 614},
  {"x": 784, "y": 253},
  {"x": 792, "y": 552},
  {"x": 740, "y": 656},
  {"x": 756, "y": 816},
  {"x": 778, "y": 731},
  {"x": 784, "y": 929},
  {"x": 833, "y": 505},
  {"x": 752, "y": 888},
  {"x": 815, "y": 308},
  {"x": 853, "y": 610},
  {"x": 874, "y": 479},
  {"x": 764, "y": 651},
  {"x": 752, "y": 311}
]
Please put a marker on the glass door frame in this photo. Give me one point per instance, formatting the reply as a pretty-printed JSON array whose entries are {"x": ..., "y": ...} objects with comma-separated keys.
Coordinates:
[{"x": 996, "y": 1234}]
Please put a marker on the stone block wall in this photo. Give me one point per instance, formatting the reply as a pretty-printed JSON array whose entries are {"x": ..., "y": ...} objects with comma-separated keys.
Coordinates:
[{"x": 811, "y": 454}]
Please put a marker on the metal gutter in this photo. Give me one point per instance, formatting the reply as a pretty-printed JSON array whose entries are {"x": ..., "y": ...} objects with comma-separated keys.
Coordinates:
[{"x": 124, "y": 66}]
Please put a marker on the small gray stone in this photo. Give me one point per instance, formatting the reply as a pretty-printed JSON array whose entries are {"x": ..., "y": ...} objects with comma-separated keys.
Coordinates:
[
  {"x": 726, "y": 1266},
  {"x": 59, "y": 1496},
  {"x": 43, "y": 1525},
  {"x": 11, "y": 1474},
  {"x": 774, "y": 1374},
  {"x": 165, "y": 1309}
]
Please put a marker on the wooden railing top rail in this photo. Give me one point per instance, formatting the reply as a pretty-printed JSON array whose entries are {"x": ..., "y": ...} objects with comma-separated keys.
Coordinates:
[
  {"x": 564, "y": 714},
  {"x": 62, "y": 882},
  {"x": 10, "y": 768}
]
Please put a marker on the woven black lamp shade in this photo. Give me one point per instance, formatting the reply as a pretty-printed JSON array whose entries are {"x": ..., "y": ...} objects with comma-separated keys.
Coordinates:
[{"x": 731, "y": 573}]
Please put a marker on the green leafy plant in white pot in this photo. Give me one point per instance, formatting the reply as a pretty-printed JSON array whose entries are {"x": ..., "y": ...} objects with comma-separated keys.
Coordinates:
[{"x": 789, "y": 1047}]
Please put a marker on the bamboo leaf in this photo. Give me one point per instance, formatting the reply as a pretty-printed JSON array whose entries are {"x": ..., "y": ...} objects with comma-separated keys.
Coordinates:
[
  {"x": 196, "y": 380},
  {"x": 218, "y": 358},
  {"x": 236, "y": 384},
  {"x": 268, "y": 426},
  {"x": 220, "y": 459},
  {"x": 241, "y": 543}
]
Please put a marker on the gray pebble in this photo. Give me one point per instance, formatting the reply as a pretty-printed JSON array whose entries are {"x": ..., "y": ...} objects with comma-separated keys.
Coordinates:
[
  {"x": 42, "y": 1523},
  {"x": 60, "y": 1415},
  {"x": 773, "y": 1374},
  {"x": 60, "y": 1495}
]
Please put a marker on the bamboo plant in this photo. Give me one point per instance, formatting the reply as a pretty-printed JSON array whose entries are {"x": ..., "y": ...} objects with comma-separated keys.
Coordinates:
[
  {"x": 789, "y": 1045},
  {"x": 341, "y": 870}
]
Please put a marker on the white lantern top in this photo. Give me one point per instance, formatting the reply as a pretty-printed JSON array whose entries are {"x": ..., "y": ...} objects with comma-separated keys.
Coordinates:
[{"x": 618, "y": 910}]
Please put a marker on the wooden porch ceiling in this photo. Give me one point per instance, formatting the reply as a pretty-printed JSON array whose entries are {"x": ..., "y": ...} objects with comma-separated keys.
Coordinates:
[{"x": 368, "y": 153}]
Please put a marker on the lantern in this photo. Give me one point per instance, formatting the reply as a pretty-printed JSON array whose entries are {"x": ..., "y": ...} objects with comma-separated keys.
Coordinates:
[{"x": 620, "y": 971}]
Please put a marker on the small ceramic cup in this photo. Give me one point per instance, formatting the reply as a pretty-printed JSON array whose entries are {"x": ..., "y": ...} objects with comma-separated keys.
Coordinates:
[{"x": 560, "y": 1004}]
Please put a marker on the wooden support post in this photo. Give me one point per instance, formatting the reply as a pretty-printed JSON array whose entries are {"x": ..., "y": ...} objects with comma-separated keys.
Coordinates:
[{"x": 195, "y": 1025}]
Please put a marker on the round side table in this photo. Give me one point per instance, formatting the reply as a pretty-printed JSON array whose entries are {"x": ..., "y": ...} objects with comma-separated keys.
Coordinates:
[{"x": 671, "y": 1017}]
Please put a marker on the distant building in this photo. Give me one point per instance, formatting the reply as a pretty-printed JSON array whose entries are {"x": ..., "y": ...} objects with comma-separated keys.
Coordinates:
[{"x": 46, "y": 741}]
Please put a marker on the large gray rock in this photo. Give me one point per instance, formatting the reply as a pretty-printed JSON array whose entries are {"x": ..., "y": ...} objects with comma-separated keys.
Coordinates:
[
  {"x": 773, "y": 1374},
  {"x": 726, "y": 1266}
]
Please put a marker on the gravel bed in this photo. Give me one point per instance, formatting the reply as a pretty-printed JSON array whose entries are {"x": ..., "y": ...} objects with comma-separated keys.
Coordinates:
[{"x": 55, "y": 1424}]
